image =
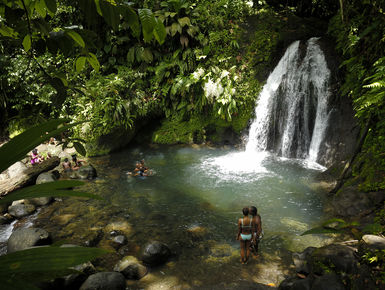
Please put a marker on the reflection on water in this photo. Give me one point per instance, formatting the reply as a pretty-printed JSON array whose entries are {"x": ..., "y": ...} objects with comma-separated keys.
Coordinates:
[{"x": 192, "y": 203}]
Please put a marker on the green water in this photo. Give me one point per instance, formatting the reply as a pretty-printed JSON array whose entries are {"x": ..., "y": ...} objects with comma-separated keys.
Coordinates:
[{"x": 192, "y": 203}]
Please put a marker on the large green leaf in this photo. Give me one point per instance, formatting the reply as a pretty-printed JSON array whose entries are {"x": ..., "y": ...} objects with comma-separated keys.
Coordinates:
[
  {"x": 60, "y": 188},
  {"x": 76, "y": 37},
  {"x": 51, "y": 5},
  {"x": 80, "y": 148},
  {"x": 80, "y": 63},
  {"x": 147, "y": 55},
  {"x": 110, "y": 13},
  {"x": 20, "y": 269},
  {"x": 147, "y": 20},
  {"x": 27, "y": 42},
  {"x": 93, "y": 61},
  {"x": 132, "y": 19},
  {"x": 18, "y": 147},
  {"x": 159, "y": 31}
]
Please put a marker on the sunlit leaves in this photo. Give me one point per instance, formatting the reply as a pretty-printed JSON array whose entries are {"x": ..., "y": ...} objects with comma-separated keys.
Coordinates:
[
  {"x": 93, "y": 61},
  {"x": 8, "y": 31},
  {"x": 76, "y": 37},
  {"x": 80, "y": 63},
  {"x": 27, "y": 42}
]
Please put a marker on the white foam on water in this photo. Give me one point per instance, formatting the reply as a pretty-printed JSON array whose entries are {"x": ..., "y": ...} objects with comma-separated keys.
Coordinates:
[{"x": 237, "y": 166}]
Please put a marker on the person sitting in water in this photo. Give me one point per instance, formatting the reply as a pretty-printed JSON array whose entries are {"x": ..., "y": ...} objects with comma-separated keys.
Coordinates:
[
  {"x": 140, "y": 169},
  {"x": 257, "y": 230},
  {"x": 67, "y": 166},
  {"x": 77, "y": 163},
  {"x": 244, "y": 236},
  {"x": 35, "y": 157}
]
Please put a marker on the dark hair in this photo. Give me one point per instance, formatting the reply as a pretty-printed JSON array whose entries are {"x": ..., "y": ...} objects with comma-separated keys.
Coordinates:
[
  {"x": 74, "y": 157},
  {"x": 245, "y": 211},
  {"x": 65, "y": 159},
  {"x": 34, "y": 151},
  {"x": 253, "y": 210}
]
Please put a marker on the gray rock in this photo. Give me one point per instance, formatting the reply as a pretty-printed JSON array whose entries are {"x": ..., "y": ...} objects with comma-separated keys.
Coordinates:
[
  {"x": 339, "y": 258},
  {"x": 155, "y": 253},
  {"x": 328, "y": 282},
  {"x": 374, "y": 242},
  {"x": 40, "y": 201},
  {"x": 301, "y": 260},
  {"x": 16, "y": 169},
  {"x": 131, "y": 268},
  {"x": 21, "y": 210},
  {"x": 86, "y": 172},
  {"x": 22, "y": 239},
  {"x": 120, "y": 240},
  {"x": 105, "y": 280},
  {"x": 45, "y": 177}
]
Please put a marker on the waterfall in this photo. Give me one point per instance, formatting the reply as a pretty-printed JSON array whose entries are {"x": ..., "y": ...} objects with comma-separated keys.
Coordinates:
[{"x": 291, "y": 115}]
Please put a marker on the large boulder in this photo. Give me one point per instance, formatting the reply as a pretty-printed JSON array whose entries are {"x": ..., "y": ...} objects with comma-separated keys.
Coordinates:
[
  {"x": 85, "y": 172},
  {"x": 105, "y": 281},
  {"x": 374, "y": 242},
  {"x": 155, "y": 253},
  {"x": 22, "y": 239},
  {"x": 301, "y": 260},
  {"x": 44, "y": 177},
  {"x": 335, "y": 257},
  {"x": 327, "y": 282},
  {"x": 131, "y": 268},
  {"x": 21, "y": 209}
]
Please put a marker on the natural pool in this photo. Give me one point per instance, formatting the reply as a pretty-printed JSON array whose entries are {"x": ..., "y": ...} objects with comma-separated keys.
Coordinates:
[{"x": 192, "y": 203}]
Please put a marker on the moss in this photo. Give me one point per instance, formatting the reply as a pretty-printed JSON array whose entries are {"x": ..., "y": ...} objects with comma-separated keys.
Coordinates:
[{"x": 200, "y": 128}]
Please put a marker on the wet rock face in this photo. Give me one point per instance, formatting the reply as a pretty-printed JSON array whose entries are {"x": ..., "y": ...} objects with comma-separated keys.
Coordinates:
[
  {"x": 22, "y": 239},
  {"x": 155, "y": 253},
  {"x": 105, "y": 280}
]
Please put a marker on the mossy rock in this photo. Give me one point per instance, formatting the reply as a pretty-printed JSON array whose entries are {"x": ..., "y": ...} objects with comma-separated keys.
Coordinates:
[{"x": 201, "y": 128}]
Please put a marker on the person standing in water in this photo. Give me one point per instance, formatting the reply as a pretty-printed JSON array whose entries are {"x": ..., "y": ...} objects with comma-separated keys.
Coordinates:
[
  {"x": 245, "y": 234},
  {"x": 257, "y": 230}
]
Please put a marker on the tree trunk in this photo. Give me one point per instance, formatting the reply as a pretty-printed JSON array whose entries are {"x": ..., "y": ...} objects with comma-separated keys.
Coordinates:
[{"x": 28, "y": 177}]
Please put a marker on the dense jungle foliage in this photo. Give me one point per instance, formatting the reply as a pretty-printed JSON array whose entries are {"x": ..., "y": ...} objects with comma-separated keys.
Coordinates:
[
  {"x": 193, "y": 68},
  {"x": 190, "y": 69}
]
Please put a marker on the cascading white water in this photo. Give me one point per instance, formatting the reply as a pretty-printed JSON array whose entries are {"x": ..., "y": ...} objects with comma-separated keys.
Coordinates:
[{"x": 292, "y": 110}]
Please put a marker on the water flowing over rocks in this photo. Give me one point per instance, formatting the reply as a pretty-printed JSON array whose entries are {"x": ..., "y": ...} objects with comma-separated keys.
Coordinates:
[
  {"x": 105, "y": 280},
  {"x": 155, "y": 253},
  {"x": 22, "y": 239}
]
